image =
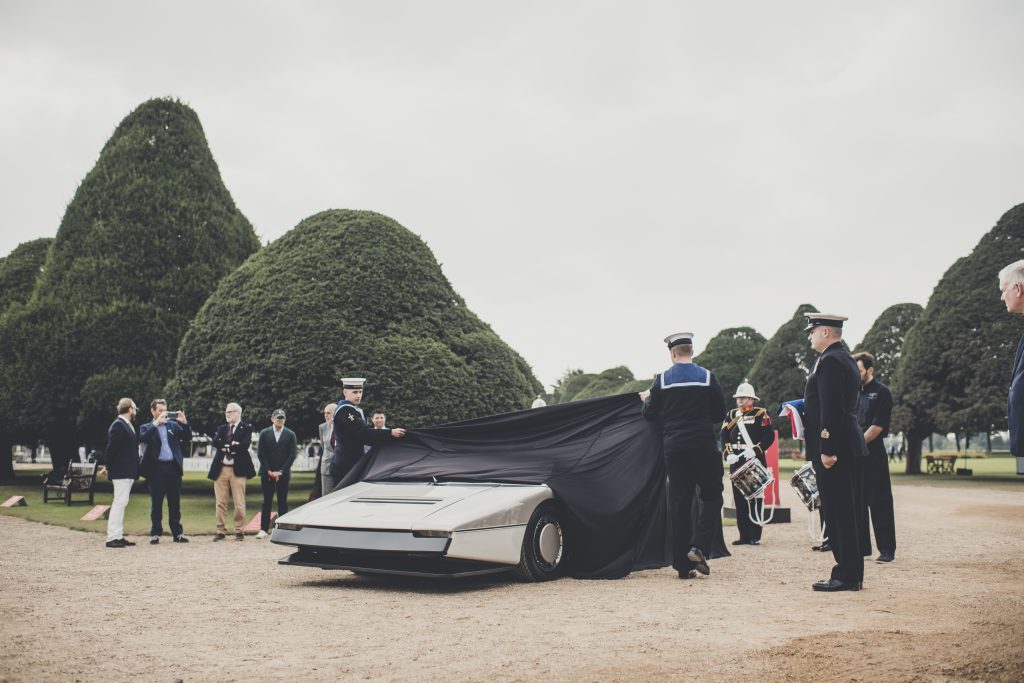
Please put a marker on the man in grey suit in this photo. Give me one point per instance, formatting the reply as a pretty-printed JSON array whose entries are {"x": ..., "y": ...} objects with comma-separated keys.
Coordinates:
[{"x": 326, "y": 430}]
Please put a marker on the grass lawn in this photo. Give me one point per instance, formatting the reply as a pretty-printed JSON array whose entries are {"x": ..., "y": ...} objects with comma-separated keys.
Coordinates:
[{"x": 198, "y": 513}]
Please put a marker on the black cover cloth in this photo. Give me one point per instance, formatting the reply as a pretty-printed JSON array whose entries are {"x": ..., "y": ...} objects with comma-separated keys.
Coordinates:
[{"x": 601, "y": 459}]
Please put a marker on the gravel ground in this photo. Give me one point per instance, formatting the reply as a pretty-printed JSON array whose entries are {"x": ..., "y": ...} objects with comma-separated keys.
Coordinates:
[{"x": 950, "y": 608}]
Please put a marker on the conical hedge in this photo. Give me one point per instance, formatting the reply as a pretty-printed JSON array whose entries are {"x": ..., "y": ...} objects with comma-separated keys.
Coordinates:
[
  {"x": 731, "y": 355},
  {"x": 780, "y": 371},
  {"x": 955, "y": 370},
  {"x": 20, "y": 270},
  {"x": 148, "y": 235},
  {"x": 885, "y": 338},
  {"x": 345, "y": 293}
]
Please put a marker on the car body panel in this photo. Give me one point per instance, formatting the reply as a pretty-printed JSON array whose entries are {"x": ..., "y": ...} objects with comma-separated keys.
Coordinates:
[{"x": 434, "y": 526}]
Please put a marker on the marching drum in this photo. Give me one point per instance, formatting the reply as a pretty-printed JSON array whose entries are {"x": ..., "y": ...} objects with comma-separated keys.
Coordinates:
[
  {"x": 806, "y": 486},
  {"x": 751, "y": 479}
]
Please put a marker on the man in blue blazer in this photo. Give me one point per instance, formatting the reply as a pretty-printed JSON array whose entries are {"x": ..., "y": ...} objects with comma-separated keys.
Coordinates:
[
  {"x": 1011, "y": 288},
  {"x": 121, "y": 464},
  {"x": 162, "y": 467}
]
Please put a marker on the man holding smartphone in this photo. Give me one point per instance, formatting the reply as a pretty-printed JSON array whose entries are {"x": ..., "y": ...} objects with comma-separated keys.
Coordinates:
[{"x": 162, "y": 466}]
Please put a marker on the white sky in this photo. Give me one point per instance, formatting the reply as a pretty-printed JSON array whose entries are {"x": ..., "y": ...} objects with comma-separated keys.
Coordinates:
[{"x": 592, "y": 175}]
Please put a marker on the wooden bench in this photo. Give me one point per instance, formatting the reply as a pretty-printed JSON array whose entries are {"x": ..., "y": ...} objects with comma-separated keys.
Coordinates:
[
  {"x": 941, "y": 464},
  {"x": 79, "y": 479}
]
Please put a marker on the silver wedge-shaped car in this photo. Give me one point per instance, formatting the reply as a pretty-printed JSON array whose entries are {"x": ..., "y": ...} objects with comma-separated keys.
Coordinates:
[{"x": 438, "y": 529}]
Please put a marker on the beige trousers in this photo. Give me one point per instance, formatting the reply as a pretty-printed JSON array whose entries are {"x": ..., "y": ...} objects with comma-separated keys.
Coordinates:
[{"x": 228, "y": 481}]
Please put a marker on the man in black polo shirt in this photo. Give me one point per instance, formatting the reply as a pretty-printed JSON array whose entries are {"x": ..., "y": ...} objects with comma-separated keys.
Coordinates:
[{"x": 873, "y": 411}]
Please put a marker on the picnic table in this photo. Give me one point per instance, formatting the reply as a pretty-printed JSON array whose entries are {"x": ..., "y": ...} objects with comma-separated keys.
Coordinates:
[{"x": 941, "y": 464}]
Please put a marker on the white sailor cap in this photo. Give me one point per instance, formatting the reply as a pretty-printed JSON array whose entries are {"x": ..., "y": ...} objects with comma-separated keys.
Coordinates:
[
  {"x": 679, "y": 338},
  {"x": 815, "y": 319},
  {"x": 352, "y": 382}
]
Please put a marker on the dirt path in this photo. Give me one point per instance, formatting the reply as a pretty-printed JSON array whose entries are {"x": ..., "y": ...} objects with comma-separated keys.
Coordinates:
[{"x": 950, "y": 608}]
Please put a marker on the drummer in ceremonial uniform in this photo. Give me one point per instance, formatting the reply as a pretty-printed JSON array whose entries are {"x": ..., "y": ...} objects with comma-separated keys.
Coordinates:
[
  {"x": 351, "y": 432},
  {"x": 691, "y": 405},
  {"x": 758, "y": 426},
  {"x": 834, "y": 442}
]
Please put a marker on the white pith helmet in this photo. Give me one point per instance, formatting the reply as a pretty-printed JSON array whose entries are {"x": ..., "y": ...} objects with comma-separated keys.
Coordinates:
[{"x": 745, "y": 390}]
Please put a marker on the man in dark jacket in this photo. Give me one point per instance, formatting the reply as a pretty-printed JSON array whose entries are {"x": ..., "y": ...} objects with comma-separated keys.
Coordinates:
[
  {"x": 121, "y": 464},
  {"x": 162, "y": 466},
  {"x": 276, "y": 452},
  {"x": 834, "y": 443},
  {"x": 691, "y": 406},
  {"x": 351, "y": 433},
  {"x": 231, "y": 467},
  {"x": 1011, "y": 289}
]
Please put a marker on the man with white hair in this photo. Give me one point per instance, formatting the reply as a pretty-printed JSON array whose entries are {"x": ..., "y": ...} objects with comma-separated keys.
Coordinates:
[
  {"x": 231, "y": 467},
  {"x": 1011, "y": 288}
]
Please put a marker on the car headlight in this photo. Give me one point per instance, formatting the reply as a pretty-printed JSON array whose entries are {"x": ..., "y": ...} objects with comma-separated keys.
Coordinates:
[{"x": 285, "y": 526}]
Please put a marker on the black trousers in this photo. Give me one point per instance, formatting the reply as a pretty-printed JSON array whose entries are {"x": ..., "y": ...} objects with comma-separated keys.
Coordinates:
[
  {"x": 689, "y": 465},
  {"x": 748, "y": 530},
  {"x": 837, "y": 486},
  {"x": 878, "y": 499},
  {"x": 270, "y": 487},
  {"x": 860, "y": 502},
  {"x": 165, "y": 482}
]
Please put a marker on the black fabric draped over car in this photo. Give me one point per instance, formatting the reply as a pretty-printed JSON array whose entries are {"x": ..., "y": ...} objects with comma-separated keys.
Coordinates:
[{"x": 600, "y": 457}]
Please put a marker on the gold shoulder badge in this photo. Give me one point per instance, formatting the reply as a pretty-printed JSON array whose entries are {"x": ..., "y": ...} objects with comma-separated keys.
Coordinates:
[
  {"x": 825, "y": 434},
  {"x": 352, "y": 418}
]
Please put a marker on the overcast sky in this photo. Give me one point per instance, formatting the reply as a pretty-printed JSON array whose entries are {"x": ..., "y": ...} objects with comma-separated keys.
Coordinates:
[{"x": 592, "y": 176}]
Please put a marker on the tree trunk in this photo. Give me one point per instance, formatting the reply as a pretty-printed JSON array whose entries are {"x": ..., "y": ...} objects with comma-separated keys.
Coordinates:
[
  {"x": 988, "y": 443},
  {"x": 6, "y": 458},
  {"x": 931, "y": 447},
  {"x": 914, "y": 444},
  {"x": 956, "y": 435}
]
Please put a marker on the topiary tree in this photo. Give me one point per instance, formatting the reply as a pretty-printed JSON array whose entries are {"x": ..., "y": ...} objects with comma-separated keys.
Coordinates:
[
  {"x": 885, "y": 338},
  {"x": 148, "y": 235},
  {"x": 731, "y": 355},
  {"x": 345, "y": 293},
  {"x": 617, "y": 380},
  {"x": 20, "y": 269},
  {"x": 780, "y": 371},
  {"x": 954, "y": 372}
]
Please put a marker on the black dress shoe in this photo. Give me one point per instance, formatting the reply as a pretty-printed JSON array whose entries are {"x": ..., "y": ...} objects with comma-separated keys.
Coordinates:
[
  {"x": 885, "y": 557},
  {"x": 180, "y": 538},
  {"x": 740, "y": 542},
  {"x": 825, "y": 547},
  {"x": 691, "y": 574},
  {"x": 696, "y": 555},
  {"x": 126, "y": 542},
  {"x": 832, "y": 585},
  {"x": 116, "y": 543}
]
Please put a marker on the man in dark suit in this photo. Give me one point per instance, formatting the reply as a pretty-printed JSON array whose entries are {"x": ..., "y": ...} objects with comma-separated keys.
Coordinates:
[
  {"x": 1011, "y": 288},
  {"x": 231, "y": 467},
  {"x": 276, "y": 451},
  {"x": 351, "y": 433},
  {"x": 162, "y": 467},
  {"x": 690, "y": 403},
  {"x": 121, "y": 464},
  {"x": 835, "y": 444}
]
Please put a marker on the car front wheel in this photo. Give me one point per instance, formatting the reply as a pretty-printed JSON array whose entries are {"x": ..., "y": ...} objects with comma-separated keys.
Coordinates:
[{"x": 543, "y": 551}]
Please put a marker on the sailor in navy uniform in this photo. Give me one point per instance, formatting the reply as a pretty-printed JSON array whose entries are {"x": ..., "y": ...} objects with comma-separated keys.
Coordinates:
[
  {"x": 834, "y": 445},
  {"x": 351, "y": 432},
  {"x": 691, "y": 405},
  {"x": 758, "y": 424}
]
